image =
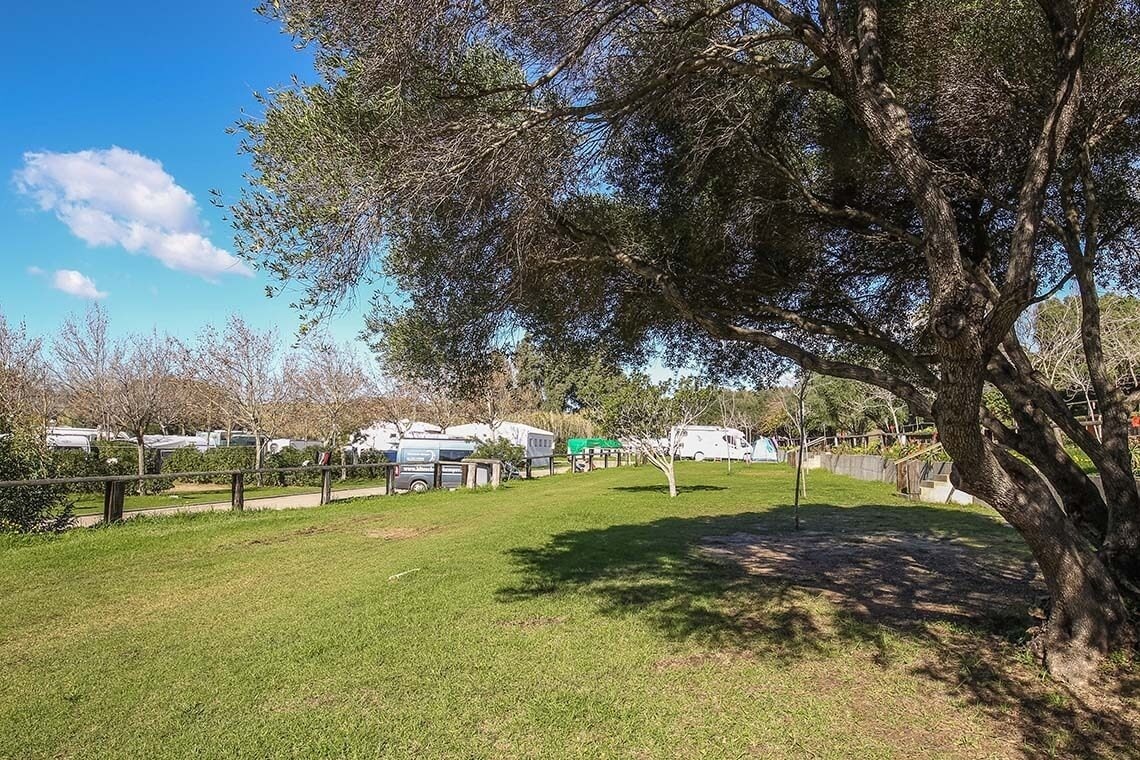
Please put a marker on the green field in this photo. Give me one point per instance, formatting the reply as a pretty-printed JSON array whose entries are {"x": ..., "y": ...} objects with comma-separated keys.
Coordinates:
[{"x": 575, "y": 616}]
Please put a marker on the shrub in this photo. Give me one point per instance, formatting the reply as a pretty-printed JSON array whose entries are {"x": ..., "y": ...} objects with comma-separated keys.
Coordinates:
[
  {"x": 31, "y": 509},
  {"x": 220, "y": 458},
  {"x": 501, "y": 449},
  {"x": 186, "y": 460},
  {"x": 370, "y": 456},
  {"x": 290, "y": 457},
  {"x": 230, "y": 458}
]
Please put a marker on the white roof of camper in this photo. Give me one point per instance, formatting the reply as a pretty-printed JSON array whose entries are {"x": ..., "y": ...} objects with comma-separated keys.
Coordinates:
[
  {"x": 169, "y": 442},
  {"x": 505, "y": 429},
  {"x": 408, "y": 426}
]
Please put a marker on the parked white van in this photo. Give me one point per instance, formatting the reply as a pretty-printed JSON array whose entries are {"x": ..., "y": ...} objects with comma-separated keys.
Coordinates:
[{"x": 701, "y": 442}]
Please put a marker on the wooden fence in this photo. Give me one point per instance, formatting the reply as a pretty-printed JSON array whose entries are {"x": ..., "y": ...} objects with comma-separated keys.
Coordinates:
[{"x": 114, "y": 487}]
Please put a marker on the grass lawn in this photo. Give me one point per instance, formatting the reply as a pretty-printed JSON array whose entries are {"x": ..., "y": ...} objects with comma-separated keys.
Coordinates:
[
  {"x": 575, "y": 616},
  {"x": 90, "y": 504}
]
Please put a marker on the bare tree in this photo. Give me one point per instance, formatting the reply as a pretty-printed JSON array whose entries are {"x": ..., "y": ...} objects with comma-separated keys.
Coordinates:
[
  {"x": 23, "y": 377},
  {"x": 85, "y": 358},
  {"x": 244, "y": 366},
  {"x": 142, "y": 390},
  {"x": 330, "y": 381}
]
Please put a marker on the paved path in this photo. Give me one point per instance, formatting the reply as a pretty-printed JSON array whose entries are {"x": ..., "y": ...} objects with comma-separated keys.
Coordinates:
[{"x": 273, "y": 502}]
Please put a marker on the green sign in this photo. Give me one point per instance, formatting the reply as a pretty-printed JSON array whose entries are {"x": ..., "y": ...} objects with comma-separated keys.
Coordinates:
[{"x": 576, "y": 446}]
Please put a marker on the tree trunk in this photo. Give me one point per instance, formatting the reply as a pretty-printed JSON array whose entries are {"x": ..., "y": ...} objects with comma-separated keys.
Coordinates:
[
  {"x": 343, "y": 462},
  {"x": 141, "y": 461},
  {"x": 257, "y": 453},
  {"x": 1121, "y": 546},
  {"x": 1087, "y": 619},
  {"x": 671, "y": 476}
]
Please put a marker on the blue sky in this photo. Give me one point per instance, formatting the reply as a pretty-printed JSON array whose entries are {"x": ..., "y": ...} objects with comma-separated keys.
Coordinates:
[{"x": 133, "y": 227}]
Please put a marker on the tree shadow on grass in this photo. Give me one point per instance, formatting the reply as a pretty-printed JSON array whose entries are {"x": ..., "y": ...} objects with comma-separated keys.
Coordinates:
[
  {"x": 956, "y": 581},
  {"x": 664, "y": 489}
]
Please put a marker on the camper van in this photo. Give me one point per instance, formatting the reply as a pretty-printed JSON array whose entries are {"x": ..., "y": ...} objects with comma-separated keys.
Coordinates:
[
  {"x": 416, "y": 459},
  {"x": 701, "y": 442}
]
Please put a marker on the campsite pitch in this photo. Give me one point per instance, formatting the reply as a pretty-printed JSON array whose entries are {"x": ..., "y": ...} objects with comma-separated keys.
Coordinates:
[{"x": 574, "y": 616}]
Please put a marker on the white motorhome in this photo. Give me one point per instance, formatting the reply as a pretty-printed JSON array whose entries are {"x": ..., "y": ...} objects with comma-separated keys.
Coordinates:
[
  {"x": 538, "y": 444},
  {"x": 701, "y": 442},
  {"x": 385, "y": 436},
  {"x": 59, "y": 437}
]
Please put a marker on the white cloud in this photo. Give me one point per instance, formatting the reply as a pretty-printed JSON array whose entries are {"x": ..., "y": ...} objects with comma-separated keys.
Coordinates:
[
  {"x": 35, "y": 271},
  {"x": 119, "y": 197},
  {"x": 76, "y": 284}
]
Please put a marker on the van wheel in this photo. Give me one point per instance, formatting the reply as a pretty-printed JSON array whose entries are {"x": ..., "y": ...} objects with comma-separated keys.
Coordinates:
[
  {"x": 419, "y": 486},
  {"x": 699, "y": 456}
]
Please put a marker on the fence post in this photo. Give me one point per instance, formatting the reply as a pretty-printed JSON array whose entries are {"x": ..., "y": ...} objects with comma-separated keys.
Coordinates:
[
  {"x": 606, "y": 460},
  {"x": 550, "y": 464},
  {"x": 470, "y": 474},
  {"x": 389, "y": 481},
  {"x": 326, "y": 486},
  {"x": 437, "y": 475},
  {"x": 528, "y": 469},
  {"x": 619, "y": 459},
  {"x": 113, "y": 491},
  {"x": 571, "y": 458},
  {"x": 496, "y": 473},
  {"x": 237, "y": 491},
  {"x": 590, "y": 463}
]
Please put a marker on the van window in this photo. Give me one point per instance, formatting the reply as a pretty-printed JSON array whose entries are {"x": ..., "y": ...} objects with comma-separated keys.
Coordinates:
[
  {"x": 453, "y": 455},
  {"x": 419, "y": 455}
]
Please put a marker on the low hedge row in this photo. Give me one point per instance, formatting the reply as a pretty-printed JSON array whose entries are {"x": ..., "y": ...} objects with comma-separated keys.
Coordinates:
[
  {"x": 221, "y": 458},
  {"x": 106, "y": 458}
]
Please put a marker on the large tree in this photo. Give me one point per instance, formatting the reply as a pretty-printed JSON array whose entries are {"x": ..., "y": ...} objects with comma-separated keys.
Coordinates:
[{"x": 872, "y": 190}]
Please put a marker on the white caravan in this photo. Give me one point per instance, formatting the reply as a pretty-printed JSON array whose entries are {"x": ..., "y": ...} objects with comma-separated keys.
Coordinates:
[
  {"x": 536, "y": 442},
  {"x": 712, "y": 442},
  {"x": 385, "y": 436}
]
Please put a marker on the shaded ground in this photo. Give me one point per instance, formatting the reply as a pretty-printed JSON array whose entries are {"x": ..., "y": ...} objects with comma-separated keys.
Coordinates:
[
  {"x": 960, "y": 586},
  {"x": 890, "y": 577}
]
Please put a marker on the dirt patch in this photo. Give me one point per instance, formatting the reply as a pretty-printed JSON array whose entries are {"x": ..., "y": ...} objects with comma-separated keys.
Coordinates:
[
  {"x": 701, "y": 659},
  {"x": 889, "y": 577},
  {"x": 396, "y": 534},
  {"x": 283, "y": 537}
]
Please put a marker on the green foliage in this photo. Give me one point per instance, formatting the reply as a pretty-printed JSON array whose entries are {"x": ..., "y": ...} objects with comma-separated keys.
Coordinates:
[
  {"x": 291, "y": 457},
  {"x": 31, "y": 509},
  {"x": 503, "y": 449},
  {"x": 636, "y": 407},
  {"x": 219, "y": 458},
  {"x": 107, "y": 459}
]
